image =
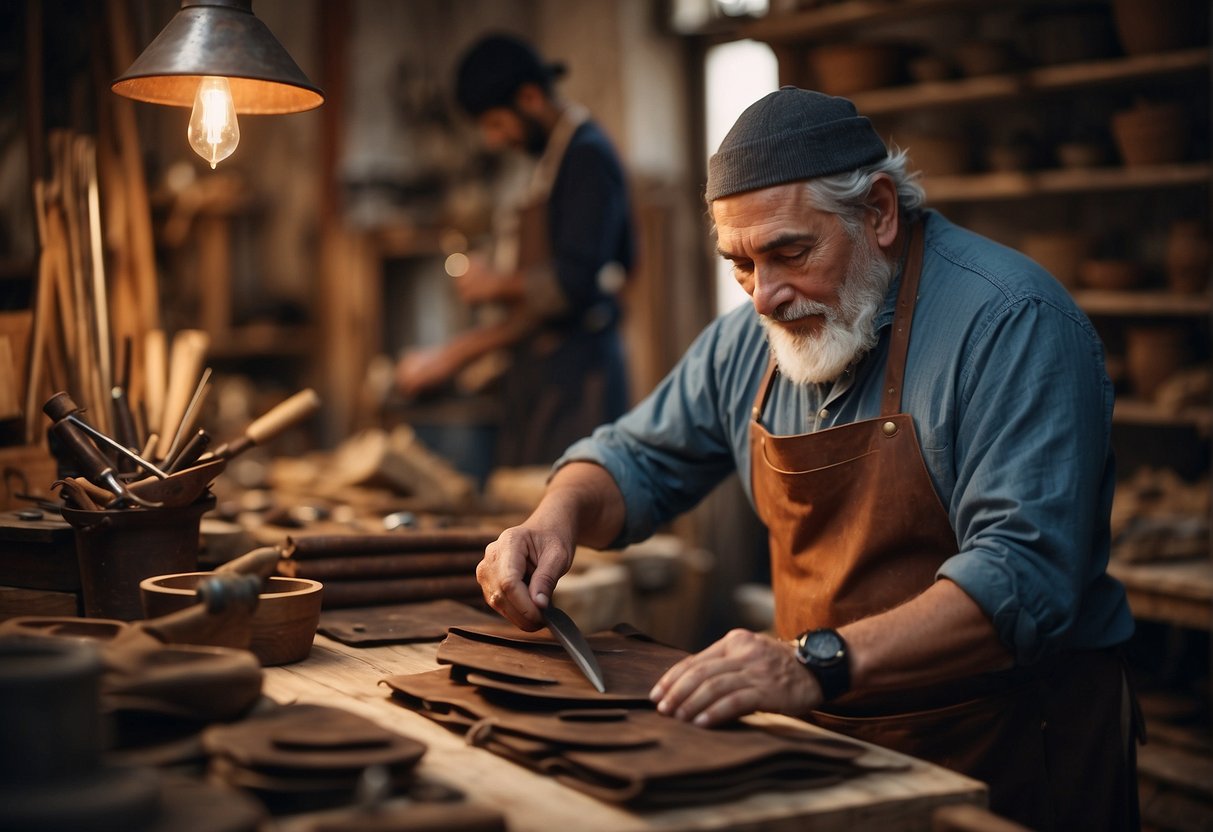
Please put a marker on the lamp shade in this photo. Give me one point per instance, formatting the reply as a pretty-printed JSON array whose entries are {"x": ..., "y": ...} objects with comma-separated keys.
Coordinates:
[{"x": 219, "y": 38}]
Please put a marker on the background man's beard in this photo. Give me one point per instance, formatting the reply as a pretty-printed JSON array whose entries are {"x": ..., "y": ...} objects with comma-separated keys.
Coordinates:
[{"x": 847, "y": 331}]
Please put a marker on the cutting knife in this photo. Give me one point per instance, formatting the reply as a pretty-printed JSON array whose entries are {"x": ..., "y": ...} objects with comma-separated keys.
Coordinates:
[{"x": 575, "y": 645}]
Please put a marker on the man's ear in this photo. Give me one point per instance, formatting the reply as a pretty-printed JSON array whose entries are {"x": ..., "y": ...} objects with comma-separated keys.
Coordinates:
[{"x": 882, "y": 210}]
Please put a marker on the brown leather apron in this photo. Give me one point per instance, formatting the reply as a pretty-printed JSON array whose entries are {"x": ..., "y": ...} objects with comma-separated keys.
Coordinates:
[{"x": 856, "y": 527}]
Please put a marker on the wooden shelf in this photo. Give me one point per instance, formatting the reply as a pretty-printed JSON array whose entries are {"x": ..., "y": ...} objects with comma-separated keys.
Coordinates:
[
  {"x": 1137, "y": 412},
  {"x": 829, "y": 20},
  {"x": 1143, "y": 304},
  {"x": 1179, "y": 592},
  {"x": 990, "y": 187},
  {"x": 1050, "y": 79}
]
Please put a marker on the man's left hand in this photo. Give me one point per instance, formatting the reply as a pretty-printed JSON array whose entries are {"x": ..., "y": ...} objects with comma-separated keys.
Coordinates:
[{"x": 742, "y": 673}]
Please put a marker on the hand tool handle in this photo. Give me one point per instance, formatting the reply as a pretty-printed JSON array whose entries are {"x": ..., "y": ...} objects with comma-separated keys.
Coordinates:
[
  {"x": 276, "y": 420},
  {"x": 186, "y": 360},
  {"x": 262, "y": 562},
  {"x": 124, "y": 426},
  {"x": 91, "y": 462},
  {"x": 190, "y": 453}
]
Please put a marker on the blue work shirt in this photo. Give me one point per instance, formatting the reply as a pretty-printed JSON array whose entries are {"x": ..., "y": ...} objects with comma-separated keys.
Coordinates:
[{"x": 1006, "y": 384}]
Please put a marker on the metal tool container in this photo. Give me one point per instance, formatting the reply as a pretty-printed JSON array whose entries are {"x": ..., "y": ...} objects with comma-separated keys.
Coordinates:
[{"x": 116, "y": 549}]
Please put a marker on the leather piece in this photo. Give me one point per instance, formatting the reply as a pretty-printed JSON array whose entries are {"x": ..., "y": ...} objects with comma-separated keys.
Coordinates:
[
  {"x": 624, "y": 754},
  {"x": 311, "y": 738},
  {"x": 535, "y": 665},
  {"x": 400, "y": 623}
]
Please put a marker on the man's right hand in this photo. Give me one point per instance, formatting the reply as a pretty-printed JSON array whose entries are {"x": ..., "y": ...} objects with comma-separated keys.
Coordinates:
[{"x": 519, "y": 572}]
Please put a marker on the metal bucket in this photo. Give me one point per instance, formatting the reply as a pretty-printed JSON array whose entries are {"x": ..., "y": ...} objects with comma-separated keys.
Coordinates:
[{"x": 117, "y": 549}]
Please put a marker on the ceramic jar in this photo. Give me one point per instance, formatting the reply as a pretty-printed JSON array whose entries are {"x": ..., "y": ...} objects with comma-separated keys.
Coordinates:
[{"x": 1188, "y": 257}]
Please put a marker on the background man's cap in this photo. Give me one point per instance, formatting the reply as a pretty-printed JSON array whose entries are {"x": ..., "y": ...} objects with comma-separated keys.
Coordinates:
[
  {"x": 493, "y": 69},
  {"x": 790, "y": 135}
]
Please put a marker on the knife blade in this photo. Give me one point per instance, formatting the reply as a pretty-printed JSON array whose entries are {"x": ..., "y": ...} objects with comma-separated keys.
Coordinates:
[{"x": 575, "y": 645}]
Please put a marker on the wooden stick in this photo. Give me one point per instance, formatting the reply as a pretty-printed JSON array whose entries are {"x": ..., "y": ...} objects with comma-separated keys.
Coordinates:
[
  {"x": 359, "y": 593},
  {"x": 439, "y": 540},
  {"x": 185, "y": 365},
  {"x": 365, "y": 567},
  {"x": 155, "y": 358}
]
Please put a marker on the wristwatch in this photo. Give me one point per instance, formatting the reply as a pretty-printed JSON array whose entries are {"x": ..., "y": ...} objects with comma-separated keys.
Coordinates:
[{"x": 825, "y": 655}]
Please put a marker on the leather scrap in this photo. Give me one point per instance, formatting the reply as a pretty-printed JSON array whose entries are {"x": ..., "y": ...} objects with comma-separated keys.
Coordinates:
[
  {"x": 535, "y": 665},
  {"x": 517, "y": 695},
  {"x": 311, "y": 738},
  {"x": 400, "y": 623}
]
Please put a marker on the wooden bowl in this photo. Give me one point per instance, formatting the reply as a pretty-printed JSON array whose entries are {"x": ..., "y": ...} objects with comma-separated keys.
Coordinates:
[
  {"x": 1151, "y": 134},
  {"x": 1060, "y": 252},
  {"x": 1109, "y": 274},
  {"x": 847, "y": 68},
  {"x": 1153, "y": 353},
  {"x": 1081, "y": 154},
  {"x": 288, "y": 612}
]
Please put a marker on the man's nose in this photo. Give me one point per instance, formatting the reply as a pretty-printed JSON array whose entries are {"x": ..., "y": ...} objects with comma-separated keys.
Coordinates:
[{"x": 770, "y": 291}]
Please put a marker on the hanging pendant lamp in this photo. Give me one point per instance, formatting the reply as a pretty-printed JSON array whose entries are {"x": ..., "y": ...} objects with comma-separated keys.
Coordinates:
[{"x": 219, "y": 58}]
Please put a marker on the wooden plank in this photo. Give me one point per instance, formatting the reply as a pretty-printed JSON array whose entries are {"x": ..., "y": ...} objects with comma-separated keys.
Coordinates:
[
  {"x": 15, "y": 601},
  {"x": 1137, "y": 304},
  {"x": 831, "y": 19},
  {"x": 1179, "y": 593},
  {"x": 989, "y": 187},
  {"x": 1138, "y": 412},
  {"x": 1051, "y": 79},
  {"x": 1177, "y": 767},
  {"x": 348, "y": 677}
]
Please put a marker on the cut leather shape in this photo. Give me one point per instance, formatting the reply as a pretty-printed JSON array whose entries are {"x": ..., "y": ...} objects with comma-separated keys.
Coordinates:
[
  {"x": 465, "y": 707},
  {"x": 310, "y": 737},
  {"x": 400, "y": 623},
  {"x": 633, "y": 756},
  {"x": 206, "y": 684},
  {"x": 535, "y": 665}
]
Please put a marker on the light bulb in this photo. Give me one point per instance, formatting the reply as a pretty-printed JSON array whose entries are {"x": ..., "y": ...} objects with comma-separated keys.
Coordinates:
[{"x": 213, "y": 131}]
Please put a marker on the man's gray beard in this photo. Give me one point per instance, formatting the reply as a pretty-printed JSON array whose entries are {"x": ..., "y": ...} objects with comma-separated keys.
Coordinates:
[{"x": 848, "y": 330}]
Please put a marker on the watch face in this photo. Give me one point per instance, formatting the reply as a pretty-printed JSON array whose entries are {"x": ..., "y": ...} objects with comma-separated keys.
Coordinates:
[{"x": 823, "y": 646}]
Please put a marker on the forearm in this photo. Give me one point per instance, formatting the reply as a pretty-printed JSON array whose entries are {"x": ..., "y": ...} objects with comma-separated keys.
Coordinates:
[
  {"x": 585, "y": 500},
  {"x": 474, "y": 343},
  {"x": 938, "y": 635}
]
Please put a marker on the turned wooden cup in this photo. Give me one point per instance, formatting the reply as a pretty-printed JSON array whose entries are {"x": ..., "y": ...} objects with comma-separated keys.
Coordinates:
[
  {"x": 288, "y": 612},
  {"x": 1153, "y": 353}
]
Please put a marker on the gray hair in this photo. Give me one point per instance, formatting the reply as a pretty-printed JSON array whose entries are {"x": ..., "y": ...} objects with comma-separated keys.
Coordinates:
[{"x": 846, "y": 194}]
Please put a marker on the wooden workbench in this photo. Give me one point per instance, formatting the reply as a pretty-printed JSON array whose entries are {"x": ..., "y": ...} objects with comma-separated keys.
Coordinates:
[{"x": 346, "y": 677}]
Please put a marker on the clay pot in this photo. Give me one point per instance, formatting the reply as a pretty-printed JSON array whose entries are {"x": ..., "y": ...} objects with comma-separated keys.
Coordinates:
[
  {"x": 1060, "y": 252},
  {"x": 983, "y": 57},
  {"x": 847, "y": 68},
  {"x": 1109, "y": 274},
  {"x": 1188, "y": 257},
  {"x": 1151, "y": 134},
  {"x": 1153, "y": 352},
  {"x": 928, "y": 68},
  {"x": 1146, "y": 26},
  {"x": 1081, "y": 155},
  {"x": 938, "y": 155},
  {"x": 288, "y": 612}
]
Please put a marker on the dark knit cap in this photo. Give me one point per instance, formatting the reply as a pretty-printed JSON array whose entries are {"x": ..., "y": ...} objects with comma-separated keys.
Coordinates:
[
  {"x": 790, "y": 135},
  {"x": 495, "y": 67}
]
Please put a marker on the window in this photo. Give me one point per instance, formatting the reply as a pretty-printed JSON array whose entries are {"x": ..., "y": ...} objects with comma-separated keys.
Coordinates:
[{"x": 736, "y": 75}]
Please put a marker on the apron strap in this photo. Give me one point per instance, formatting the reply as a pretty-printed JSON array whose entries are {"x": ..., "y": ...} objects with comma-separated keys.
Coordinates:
[
  {"x": 899, "y": 340},
  {"x": 764, "y": 390}
]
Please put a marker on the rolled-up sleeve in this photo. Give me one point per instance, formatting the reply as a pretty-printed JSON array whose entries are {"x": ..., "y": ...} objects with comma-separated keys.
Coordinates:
[
  {"x": 671, "y": 449},
  {"x": 1032, "y": 470}
]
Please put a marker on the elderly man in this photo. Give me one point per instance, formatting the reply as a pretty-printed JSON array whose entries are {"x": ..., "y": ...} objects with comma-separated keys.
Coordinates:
[{"x": 937, "y": 495}]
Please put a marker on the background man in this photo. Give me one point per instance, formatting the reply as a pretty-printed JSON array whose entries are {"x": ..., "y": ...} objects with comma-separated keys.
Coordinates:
[
  {"x": 937, "y": 504},
  {"x": 572, "y": 246}
]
